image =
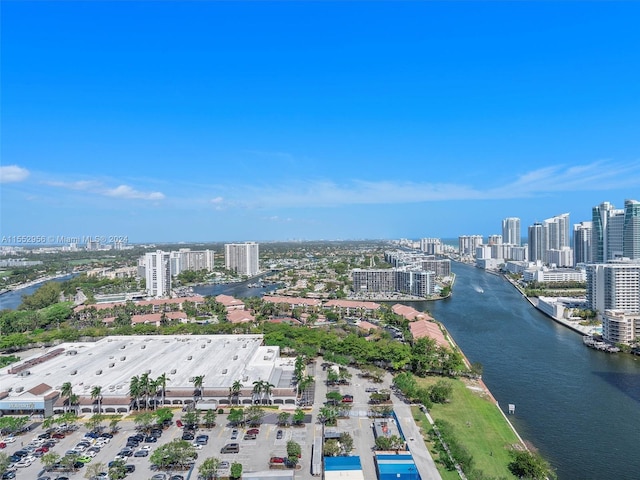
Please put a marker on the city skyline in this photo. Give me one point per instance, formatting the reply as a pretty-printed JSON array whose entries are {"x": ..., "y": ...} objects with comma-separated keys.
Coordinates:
[{"x": 224, "y": 121}]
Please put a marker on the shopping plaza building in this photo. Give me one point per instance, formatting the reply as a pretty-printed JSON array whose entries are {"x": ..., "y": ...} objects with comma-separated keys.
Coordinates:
[{"x": 34, "y": 385}]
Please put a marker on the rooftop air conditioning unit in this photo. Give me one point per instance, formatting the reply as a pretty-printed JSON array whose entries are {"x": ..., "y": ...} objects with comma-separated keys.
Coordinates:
[
  {"x": 99, "y": 372},
  {"x": 224, "y": 372},
  {"x": 111, "y": 365},
  {"x": 142, "y": 347},
  {"x": 235, "y": 357},
  {"x": 189, "y": 357},
  {"x": 73, "y": 372},
  {"x": 173, "y": 371},
  {"x": 19, "y": 389},
  {"x": 122, "y": 359}
]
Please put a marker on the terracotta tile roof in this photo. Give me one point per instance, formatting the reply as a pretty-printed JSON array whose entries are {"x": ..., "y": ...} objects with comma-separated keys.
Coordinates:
[
  {"x": 157, "y": 317},
  {"x": 367, "y": 326},
  {"x": 289, "y": 320},
  {"x": 352, "y": 304},
  {"x": 229, "y": 301},
  {"x": 240, "y": 316},
  {"x": 424, "y": 328},
  {"x": 310, "y": 302},
  {"x": 410, "y": 313}
]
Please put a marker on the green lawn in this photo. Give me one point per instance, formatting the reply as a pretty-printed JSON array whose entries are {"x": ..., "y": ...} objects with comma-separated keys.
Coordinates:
[{"x": 479, "y": 427}]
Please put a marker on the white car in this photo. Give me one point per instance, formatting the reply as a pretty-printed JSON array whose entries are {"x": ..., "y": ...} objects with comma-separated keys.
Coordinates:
[
  {"x": 196, "y": 446},
  {"x": 91, "y": 453},
  {"x": 145, "y": 447},
  {"x": 9, "y": 440},
  {"x": 25, "y": 462}
]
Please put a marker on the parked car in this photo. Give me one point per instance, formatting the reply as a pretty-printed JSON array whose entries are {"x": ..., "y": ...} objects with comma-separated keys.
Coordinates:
[
  {"x": 347, "y": 399},
  {"x": 279, "y": 434},
  {"x": 141, "y": 453},
  {"x": 276, "y": 460},
  {"x": 187, "y": 436},
  {"x": 234, "y": 434},
  {"x": 253, "y": 431},
  {"x": 202, "y": 439},
  {"x": 230, "y": 448},
  {"x": 249, "y": 437}
]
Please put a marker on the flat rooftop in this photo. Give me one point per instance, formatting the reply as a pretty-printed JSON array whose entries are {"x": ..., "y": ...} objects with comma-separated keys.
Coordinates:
[{"x": 111, "y": 363}]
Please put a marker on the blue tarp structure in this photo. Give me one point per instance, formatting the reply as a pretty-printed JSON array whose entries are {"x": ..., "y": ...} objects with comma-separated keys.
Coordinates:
[{"x": 396, "y": 467}]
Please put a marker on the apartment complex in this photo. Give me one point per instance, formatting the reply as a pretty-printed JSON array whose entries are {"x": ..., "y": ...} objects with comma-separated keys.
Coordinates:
[
  {"x": 407, "y": 280},
  {"x": 194, "y": 260},
  {"x": 157, "y": 273},
  {"x": 582, "y": 247},
  {"x": 242, "y": 258},
  {"x": 511, "y": 231},
  {"x": 550, "y": 241},
  {"x": 614, "y": 286}
]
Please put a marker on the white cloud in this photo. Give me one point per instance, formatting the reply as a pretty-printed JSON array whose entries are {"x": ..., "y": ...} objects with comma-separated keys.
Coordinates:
[
  {"x": 217, "y": 200},
  {"x": 79, "y": 185},
  {"x": 125, "y": 191},
  {"x": 601, "y": 175},
  {"x": 13, "y": 173}
]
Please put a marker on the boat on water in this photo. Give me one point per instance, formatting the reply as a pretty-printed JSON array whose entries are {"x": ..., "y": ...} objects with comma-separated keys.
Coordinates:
[{"x": 592, "y": 342}]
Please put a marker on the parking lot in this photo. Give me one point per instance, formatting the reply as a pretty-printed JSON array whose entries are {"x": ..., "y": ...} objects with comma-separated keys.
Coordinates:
[{"x": 254, "y": 453}]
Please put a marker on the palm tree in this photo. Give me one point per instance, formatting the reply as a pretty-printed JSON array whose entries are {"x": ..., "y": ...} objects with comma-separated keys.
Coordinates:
[
  {"x": 267, "y": 388},
  {"x": 96, "y": 394},
  {"x": 162, "y": 383},
  {"x": 198, "y": 382},
  {"x": 74, "y": 400},
  {"x": 236, "y": 389},
  {"x": 145, "y": 388},
  {"x": 257, "y": 390},
  {"x": 135, "y": 390},
  {"x": 66, "y": 391}
]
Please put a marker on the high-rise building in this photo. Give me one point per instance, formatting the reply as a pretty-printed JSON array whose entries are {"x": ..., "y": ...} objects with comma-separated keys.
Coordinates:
[
  {"x": 631, "y": 230},
  {"x": 187, "y": 259},
  {"x": 157, "y": 268},
  {"x": 535, "y": 241},
  {"x": 606, "y": 233},
  {"x": 242, "y": 258},
  {"x": 467, "y": 244},
  {"x": 431, "y": 246},
  {"x": 582, "y": 235},
  {"x": 511, "y": 231},
  {"x": 614, "y": 286}
]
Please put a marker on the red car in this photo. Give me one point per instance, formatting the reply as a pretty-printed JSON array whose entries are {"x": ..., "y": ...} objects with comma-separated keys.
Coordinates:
[
  {"x": 253, "y": 431},
  {"x": 276, "y": 460},
  {"x": 58, "y": 435},
  {"x": 179, "y": 423},
  {"x": 42, "y": 449},
  {"x": 347, "y": 399},
  {"x": 3, "y": 445}
]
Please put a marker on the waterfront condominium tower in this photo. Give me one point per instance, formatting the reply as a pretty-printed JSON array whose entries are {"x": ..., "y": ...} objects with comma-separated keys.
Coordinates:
[
  {"x": 606, "y": 232},
  {"x": 511, "y": 231},
  {"x": 157, "y": 267},
  {"x": 631, "y": 230},
  {"x": 242, "y": 258},
  {"x": 536, "y": 246},
  {"x": 582, "y": 243}
]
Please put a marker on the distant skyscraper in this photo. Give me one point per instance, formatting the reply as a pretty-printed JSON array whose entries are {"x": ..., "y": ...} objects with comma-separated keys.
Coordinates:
[
  {"x": 157, "y": 267},
  {"x": 242, "y": 258},
  {"x": 607, "y": 224},
  {"x": 536, "y": 246},
  {"x": 467, "y": 244},
  {"x": 511, "y": 231},
  {"x": 582, "y": 242},
  {"x": 631, "y": 230}
]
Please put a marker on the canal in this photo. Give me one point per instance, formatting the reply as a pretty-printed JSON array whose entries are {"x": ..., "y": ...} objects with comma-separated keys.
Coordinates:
[{"x": 579, "y": 407}]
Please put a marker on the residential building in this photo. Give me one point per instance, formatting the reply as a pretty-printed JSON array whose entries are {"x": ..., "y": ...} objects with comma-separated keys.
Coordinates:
[
  {"x": 607, "y": 233},
  {"x": 431, "y": 246},
  {"x": 467, "y": 244},
  {"x": 242, "y": 258},
  {"x": 614, "y": 286},
  {"x": 186, "y": 259},
  {"x": 582, "y": 236},
  {"x": 157, "y": 268},
  {"x": 620, "y": 327},
  {"x": 536, "y": 245},
  {"x": 511, "y": 231},
  {"x": 631, "y": 230}
]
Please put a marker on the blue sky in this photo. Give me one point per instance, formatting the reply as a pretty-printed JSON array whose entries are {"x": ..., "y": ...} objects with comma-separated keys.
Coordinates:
[{"x": 213, "y": 121}]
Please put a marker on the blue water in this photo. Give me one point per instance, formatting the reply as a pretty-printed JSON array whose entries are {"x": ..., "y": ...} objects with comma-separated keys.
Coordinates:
[
  {"x": 579, "y": 407},
  {"x": 12, "y": 300}
]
